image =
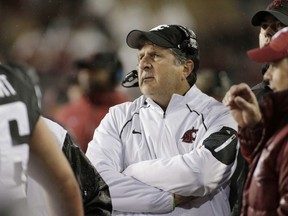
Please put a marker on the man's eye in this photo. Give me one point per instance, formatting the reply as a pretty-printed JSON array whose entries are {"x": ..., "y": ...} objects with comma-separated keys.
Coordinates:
[
  {"x": 155, "y": 55},
  {"x": 264, "y": 26}
]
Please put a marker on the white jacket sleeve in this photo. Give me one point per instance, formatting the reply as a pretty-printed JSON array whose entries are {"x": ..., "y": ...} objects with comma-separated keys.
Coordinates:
[
  {"x": 196, "y": 173},
  {"x": 127, "y": 194}
]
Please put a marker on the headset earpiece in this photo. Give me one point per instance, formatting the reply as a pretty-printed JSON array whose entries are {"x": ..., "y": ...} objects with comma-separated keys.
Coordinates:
[
  {"x": 131, "y": 80},
  {"x": 189, "y": 43},
  {"x": 184, "y": 46}
]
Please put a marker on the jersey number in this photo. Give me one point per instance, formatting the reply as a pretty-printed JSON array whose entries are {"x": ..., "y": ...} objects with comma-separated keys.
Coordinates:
[{"x": 14, "y": 150}]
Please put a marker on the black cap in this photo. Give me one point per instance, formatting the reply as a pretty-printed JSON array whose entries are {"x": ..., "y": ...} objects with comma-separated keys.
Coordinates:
[
  {"x": 167, "y": 36},
  {"x": 277, "y": 8},
  {"x": 103, "y": 60},
  {"x": 99, "y": 61},
  {"x": 95, "y": 61}
]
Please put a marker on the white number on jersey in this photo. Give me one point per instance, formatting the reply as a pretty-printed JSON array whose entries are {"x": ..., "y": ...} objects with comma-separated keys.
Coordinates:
[{"x": 13, "y": 156}]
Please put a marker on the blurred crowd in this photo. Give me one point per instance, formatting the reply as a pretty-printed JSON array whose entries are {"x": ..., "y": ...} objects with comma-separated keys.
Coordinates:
[{"x": 51, "y": 35}]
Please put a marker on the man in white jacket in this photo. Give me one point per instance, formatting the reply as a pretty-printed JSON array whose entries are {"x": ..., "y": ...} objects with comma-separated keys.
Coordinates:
[{"x": 173, "y": 150}]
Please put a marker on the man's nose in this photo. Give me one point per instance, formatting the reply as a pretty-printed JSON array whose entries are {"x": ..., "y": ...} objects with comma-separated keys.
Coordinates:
[
  {"x": 144, "y": 63},
  {"x": 267, "y": 74},
  {"x": 270, "y": 31}
]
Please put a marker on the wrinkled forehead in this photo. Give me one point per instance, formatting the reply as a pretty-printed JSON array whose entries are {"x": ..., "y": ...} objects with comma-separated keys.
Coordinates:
[{"x": 153, "y": 50}]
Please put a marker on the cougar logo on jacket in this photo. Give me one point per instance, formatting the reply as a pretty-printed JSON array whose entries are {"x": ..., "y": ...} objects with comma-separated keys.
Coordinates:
[{"x": 189, "y": 136}]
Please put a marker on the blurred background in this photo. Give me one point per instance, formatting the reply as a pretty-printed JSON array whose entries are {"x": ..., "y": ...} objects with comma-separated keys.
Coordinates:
[{"x": 50, "y": 35}]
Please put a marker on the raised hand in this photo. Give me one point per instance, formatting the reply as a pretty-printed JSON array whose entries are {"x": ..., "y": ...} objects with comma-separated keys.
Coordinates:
[{"x": 243, "y": 105}]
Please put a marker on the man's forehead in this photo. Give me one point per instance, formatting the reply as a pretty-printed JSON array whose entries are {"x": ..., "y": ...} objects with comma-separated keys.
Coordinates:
[{"x": 152, "y": 47}]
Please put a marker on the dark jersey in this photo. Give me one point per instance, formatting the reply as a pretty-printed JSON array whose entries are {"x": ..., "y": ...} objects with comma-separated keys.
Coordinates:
[
  {"x": 95, "y": 191},
  {"x": 19, "y": 113}
]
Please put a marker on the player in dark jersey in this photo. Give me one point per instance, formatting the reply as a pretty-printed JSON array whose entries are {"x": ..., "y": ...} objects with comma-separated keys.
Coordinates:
[
  {"x": 95, "y": 192},
  {"x": 27, "y": 145}
]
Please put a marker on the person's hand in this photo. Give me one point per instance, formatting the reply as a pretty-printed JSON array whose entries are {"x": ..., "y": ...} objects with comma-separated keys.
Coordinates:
[
  {"x": 243, "y": 105},
  {"x": 178, "y": 199}
]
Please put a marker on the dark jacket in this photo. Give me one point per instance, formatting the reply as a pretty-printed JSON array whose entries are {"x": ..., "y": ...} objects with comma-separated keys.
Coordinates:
[
  {"x": 265, "y": 148},
  {"x": 239, "y": 177},
  {"x": 95, "y": 192}
]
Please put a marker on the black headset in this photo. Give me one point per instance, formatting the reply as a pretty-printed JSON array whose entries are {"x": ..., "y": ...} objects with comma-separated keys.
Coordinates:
[
  {"x": 131, "y": 79},
  {"x": 189, "y": 44}
]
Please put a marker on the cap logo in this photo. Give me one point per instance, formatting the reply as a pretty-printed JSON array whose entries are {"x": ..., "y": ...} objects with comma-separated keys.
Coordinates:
[
  {"x": 276, "y": 4},
  {"x": 160, "y": 27},
  {"x": 192, "y": 39},
  {"x": 193, "y": 43}
]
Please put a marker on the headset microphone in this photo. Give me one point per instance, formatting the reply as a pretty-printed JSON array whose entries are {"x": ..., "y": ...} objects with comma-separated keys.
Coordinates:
[{"x": 131, "y": 80}]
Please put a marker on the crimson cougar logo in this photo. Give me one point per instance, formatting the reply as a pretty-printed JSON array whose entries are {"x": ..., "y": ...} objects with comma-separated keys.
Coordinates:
[{"x": 189, "y": 136}]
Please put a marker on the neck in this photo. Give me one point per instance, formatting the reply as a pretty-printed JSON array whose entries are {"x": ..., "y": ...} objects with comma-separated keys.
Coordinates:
[
  {"x": 162, "y": 103},
  {"x": 164, "y": 100}
]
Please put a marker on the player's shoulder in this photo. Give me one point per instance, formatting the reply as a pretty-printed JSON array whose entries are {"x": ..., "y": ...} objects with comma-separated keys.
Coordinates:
[
  {"x": 16, "y": 86},
  {"x": 14, "y": 77},
  {"x": 8, "y": 72}
]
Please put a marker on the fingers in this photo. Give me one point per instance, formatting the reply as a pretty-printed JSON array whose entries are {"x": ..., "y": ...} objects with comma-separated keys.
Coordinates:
[
  {"x": 242, "y": 103},
  {"x": 240, "y": 90}
]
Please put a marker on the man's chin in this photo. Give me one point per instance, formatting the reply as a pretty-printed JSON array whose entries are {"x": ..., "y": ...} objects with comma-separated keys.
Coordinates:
[{"x": 147, "y": 89}]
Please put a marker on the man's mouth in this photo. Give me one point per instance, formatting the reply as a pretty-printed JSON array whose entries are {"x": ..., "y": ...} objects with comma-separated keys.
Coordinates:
[{"x": 148, "y": 78}]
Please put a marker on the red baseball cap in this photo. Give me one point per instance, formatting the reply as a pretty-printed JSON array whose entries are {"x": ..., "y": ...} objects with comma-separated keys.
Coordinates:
[{"x": 274, "y": 51}]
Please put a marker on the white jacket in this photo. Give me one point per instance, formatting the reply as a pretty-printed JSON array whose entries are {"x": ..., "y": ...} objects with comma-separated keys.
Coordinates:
[{"x": 146, "y": 155}]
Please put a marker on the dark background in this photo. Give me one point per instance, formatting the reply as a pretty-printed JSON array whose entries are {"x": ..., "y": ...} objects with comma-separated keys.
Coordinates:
[{"x": 51, "y": 34}]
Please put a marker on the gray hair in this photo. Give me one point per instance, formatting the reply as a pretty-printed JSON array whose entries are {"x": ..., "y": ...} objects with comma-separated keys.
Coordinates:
[{"x": 181, "y": 58}]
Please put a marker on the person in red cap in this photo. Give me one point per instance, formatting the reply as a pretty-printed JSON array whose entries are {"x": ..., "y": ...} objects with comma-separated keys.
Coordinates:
[
  {"x": 270, "y": 20},
  {"x": 263, "y": 132}
]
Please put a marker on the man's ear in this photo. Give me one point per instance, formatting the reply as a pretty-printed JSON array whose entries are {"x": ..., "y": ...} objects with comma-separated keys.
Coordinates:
[{"x": 188, "y": 68}]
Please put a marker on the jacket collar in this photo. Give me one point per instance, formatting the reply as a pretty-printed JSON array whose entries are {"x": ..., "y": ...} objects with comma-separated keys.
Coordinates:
[{"x": 178, "y": 100}]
